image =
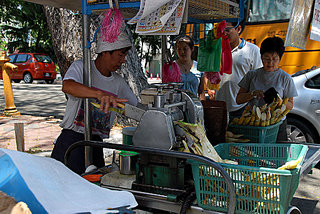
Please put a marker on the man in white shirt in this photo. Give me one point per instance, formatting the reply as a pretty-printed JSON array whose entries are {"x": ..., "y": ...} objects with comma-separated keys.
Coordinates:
[
  {"x": 245, "y": 57},
  {"x": 108, "y": 88}
]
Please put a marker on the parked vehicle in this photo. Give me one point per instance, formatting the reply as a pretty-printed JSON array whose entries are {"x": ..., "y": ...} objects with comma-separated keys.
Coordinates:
[
  {"x": 304, "y": 118},
  {"x": 32, "y": 66}
]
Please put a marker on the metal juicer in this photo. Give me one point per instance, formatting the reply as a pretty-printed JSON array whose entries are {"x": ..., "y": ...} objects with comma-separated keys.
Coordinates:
[{"x": 161, "y": 106}]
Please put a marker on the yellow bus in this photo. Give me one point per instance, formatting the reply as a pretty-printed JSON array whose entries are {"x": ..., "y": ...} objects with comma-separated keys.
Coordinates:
[
  {"x": 271, "y": 18},
  {"x": 267, "y": 18}
]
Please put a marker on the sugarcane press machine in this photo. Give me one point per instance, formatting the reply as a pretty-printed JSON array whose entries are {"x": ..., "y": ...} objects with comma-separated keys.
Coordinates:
[{"x": 161, "y": 172}]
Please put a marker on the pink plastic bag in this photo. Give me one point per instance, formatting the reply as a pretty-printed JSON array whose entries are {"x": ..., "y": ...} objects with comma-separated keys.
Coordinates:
[
  {"x": 213, "y": 77},
  {"x": 171, "y": 72}
]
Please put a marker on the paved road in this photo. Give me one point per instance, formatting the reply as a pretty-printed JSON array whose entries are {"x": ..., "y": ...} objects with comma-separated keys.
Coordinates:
[
  {"x": 307, "y": 195},
  {"x": 37, "y": 99}
]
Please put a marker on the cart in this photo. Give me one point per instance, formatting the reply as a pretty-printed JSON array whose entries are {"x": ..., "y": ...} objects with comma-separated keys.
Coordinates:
[
  {"x": 157, "y": 201},
  {"x": 153, "y": 201}
]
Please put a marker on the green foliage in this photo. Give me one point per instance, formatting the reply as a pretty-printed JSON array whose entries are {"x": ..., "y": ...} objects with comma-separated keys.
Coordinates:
[
  {"x": 24, "y": 27},
  {"x": 3, "y": 44},
  {"x": 153, "y": 44}
]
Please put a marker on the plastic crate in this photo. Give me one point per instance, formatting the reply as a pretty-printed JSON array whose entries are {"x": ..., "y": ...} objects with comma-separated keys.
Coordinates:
[
  {"x": 260, "y": 186},
  {"x": 257, "y": 134}
]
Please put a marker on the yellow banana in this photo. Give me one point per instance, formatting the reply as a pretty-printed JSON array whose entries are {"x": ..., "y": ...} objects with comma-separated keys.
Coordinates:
[{"x": 291, "y": 164}]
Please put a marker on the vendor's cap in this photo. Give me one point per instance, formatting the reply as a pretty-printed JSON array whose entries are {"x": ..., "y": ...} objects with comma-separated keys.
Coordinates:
[{"x": 123, "y": 41}]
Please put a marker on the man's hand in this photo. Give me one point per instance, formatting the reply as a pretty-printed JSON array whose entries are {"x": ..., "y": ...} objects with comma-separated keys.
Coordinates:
[
  {"x": 81, "y": 91},
  {"x": 107, "y": 101},
  {"x": 211, "y": 94}
]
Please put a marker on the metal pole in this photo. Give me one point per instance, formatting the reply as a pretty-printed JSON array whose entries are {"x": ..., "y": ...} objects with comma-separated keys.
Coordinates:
[
  {"x": 163, "y": 52},
  {"x": 87, "y": 82}
]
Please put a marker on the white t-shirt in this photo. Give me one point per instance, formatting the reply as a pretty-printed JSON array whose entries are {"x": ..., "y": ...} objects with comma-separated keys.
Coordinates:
[
  {"x": 245, "y": 57},
  {"x": 101, "y": 122}
]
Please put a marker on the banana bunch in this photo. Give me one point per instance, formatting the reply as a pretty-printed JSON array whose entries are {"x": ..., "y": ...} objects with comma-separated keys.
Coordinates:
[
  {"x": 233, "y": 138},
  {"x": 265, "y": 115}
]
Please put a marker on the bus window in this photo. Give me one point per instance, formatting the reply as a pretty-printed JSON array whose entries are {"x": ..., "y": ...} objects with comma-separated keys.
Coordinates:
[{"x": 269, "y": 10}]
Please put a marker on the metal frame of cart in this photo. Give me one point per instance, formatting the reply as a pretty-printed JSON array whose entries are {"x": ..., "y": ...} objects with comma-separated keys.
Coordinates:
[{"x": 161, "y": 202}]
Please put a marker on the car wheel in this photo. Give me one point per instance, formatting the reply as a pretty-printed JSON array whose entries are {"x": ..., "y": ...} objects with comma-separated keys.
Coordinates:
[
  {"x": 299, "y": 132},
  {"x": 49, "y": 81},
  {"x": 27, "y": 78}
]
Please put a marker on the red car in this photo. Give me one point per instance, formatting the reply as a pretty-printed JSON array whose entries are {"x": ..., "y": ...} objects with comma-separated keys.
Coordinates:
[{"x": 32, "y": 66}]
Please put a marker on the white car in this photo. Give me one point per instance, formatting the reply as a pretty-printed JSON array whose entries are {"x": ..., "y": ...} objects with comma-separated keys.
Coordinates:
[{"x": 304, "y": 118}]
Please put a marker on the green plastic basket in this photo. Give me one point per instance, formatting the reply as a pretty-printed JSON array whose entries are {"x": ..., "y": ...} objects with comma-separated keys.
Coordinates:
[
  {"x": 260, "y": 186},
  {"x": 257, "y": 134}
]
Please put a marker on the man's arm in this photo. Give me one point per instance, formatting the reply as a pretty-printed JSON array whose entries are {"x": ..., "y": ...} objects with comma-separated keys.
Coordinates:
[{"x": 81, "y": 91}]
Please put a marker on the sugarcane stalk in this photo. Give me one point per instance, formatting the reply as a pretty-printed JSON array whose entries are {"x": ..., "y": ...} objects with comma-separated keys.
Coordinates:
[
  {"x": 279, "y": 100},
  {"x": 186, "y": 146}
]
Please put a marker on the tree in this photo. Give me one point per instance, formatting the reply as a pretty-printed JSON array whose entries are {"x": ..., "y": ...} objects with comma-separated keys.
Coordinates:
[
  {"x": 153, "y": 44},
  {"x": 25, "y": 27}
]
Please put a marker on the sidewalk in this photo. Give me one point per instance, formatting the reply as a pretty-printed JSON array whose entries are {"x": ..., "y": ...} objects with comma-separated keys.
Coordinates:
[{"x": 39, "y": 133}]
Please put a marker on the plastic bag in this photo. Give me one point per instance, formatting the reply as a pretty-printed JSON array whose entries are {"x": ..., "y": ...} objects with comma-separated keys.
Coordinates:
[
  {"x": 171, "y": 72},
  {"x": 209, "y": 53},
  {"x": 213, "y": 77},
  {"x": 299, "y": 24},
  {"x": 226, "y": 56}
]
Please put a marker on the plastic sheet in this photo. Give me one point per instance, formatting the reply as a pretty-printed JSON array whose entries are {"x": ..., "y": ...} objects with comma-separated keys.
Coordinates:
[
  {"x": 47, "y": 186},
  {"x": 299, "y": 24}
]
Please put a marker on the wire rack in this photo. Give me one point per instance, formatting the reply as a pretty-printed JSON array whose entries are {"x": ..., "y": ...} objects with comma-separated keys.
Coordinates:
[
  {"x": 199, "y": 11},
  {"x": 212, "y": 9}
]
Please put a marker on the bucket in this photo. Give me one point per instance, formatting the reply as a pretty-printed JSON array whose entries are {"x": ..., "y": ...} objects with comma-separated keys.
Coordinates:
[
  {"x": 127, "y": 134},
  {"x": 128, "y": 162},
  {"x": 215, "y": 120}
]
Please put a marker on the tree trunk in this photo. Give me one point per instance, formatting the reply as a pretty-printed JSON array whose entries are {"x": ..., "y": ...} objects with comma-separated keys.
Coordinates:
[{"x": 66, "y": 30}]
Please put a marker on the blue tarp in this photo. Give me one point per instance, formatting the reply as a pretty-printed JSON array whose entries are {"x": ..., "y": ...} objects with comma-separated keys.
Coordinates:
[{"x": 48, "y": 186}]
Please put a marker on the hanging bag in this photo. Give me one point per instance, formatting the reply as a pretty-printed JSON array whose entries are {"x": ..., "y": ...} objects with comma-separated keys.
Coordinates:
[
  {"x": 171, "y": 72},
  {"x": 209, "y": 53},
  {"x": 226, "y": 56}
]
